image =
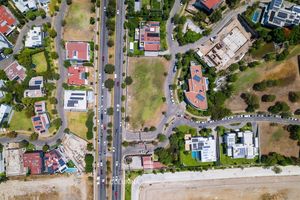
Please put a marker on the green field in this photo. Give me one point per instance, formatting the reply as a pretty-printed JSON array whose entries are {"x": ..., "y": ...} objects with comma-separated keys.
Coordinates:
[
  {"x": 146, "y": 91},
  {"x": 188, "y": 160},
  {"x": 20, "y": 121},
  {"x": 76, "y": 123},
  {"x": 155, "y": 4},
  {"x": 245, "y": 80},
  {"x": 78, "y": 15},
  {"x": 128, "y": 182},
  {"x": 52, "y": 5},
  {"x": 39, "y": 60},
  {"x": 187, "y": 129},
  {"x": 263, "y": 50}
]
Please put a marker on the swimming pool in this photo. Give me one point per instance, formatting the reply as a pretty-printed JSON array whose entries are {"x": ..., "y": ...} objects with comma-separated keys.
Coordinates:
[
  {"x": 71, "y": 170},
  {"x": 256, "y": 16}
]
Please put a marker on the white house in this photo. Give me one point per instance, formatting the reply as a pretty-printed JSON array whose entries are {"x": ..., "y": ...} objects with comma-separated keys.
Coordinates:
[{"x": 34, "y": 37}]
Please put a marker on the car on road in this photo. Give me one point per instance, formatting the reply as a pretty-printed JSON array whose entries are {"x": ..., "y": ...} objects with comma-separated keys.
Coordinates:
[
  {"x": 104, "y": 9},
  {"x": 115, "y": 76},
  {"x": 102, "y": 85},
  {"x": 103, "y": 56},
  {"x": 117, "y": 163},
  {"x": 101, "y": 164},
  {"x": 118, "y": 12},
  {"x": 118, "y": 83},
  {"x": 172, "y": 36},
  {"x": 113, "y": 149},
  {"x": 174, "y": 68}
]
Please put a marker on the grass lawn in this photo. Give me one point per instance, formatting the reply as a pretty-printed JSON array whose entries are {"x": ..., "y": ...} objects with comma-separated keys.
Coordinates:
[
  {"x": 30, "y": 147},
  {"x": 40, "y": 62},
  {"x": 187, "y": 129},
  {"x": 246, "y": 80},
  {"x": 52, "y": 5},
  {"x": 76, "y": 123},
  {"x": 145, "y": 2},
  {"x": 146, "y": 92},
  {"x": 155, "y": 4},
  {"x": 128, "y": 182},
  {"x": 263, "y": 50},
  {"x": 225, "y": 160},
  {"x": 20, "y": 121},
  {"x": 187, "y": 160}
]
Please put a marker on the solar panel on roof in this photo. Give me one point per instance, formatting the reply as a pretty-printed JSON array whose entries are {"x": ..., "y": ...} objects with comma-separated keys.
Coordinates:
[
  {"x": 282, "y": 15},
  {"x": 76, "y": 98},
  {"x": 36, "y": 119},
  {"x": 38, "y": 82},
  {"x": 197, "y": 78},
  {"x": 153, "y": 34},
  {"x": 200, "y": 97},
  {"x": 296, "y": 9}
]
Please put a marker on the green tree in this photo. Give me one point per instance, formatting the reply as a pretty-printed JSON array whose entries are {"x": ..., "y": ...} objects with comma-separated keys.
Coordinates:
[
  {"x": 7, "y": 51},
  {"x": 90, "y": 147},
  {"x": 34, "y": 136},
  {"x": 268, "y": 98},
  {"x": 161, "y": 137},
  {"x": 110, "y": 111},
  {"x": 52, "y": 33},
  {"x": 128, "y": 80},
  {"x": 89, "y": 159},
  {"x": 46, "y": 147},
  {"x": 294, "y": 96},
  {"x": 109, "y": 68},
  {"x": 109, "y": 83}
]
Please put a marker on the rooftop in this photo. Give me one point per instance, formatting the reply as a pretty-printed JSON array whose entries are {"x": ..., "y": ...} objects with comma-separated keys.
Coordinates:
[
  {"x": 34, "y": 37},
  {"x": 79, "y": 51},
  {"x": 203, "y": 148},
  {"x": 15, "y": 72},
  {"x": 5, "y": 111},
  {"x": 4, "y": 43},
  {"x": 77, "y": 75},
  {"x": 40, "y": 107},
  {"x": 7, "y": 21},
  {"x": 34, "y": 162},
  {"x": 54, "y": 162},
  {"x": 35, "y": 89},
  {"x": 75, "y": 100},
  {"x": 41, "y": 123},
  {"x": 210, "y": 4},
  {"x": 148, "y": 163},
  {"x": 14, "y": 161},
  {"x": 198, "y": 86},
  {"x": 25, "y": 5},
  {"x": 150, "y": 36}
]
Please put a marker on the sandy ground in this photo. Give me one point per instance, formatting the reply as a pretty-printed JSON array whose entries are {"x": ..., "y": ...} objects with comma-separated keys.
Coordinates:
[
  {"x": 60, "y": 187},
  {"x": 288, "y": 71},
  {"x": 276, "y": 139},
  {"x": 260, "y": 188}
]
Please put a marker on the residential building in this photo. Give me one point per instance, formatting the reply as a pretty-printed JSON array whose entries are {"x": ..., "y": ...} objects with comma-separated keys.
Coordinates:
[
  {"x": 75, "y": 100},
  {"x": 5, "y": 112},
  {"x": 40, "y": 107},
  {"x": 2, "y": 163},
  {"x": 25, "y": 5},
  {"x": 54, "y": 162},
  {"x": 208, "y": 5},
  {"x": 36, "y": 87},
  {"x": 4, "y": 43},
  {"x": 78, "y": 51},
  {"x": 34, "y": 37},
  {"x": 149, "y": 36},
  {"x": 77, "y": 75},
  {"x": 14, "y": 160},
  {"x": 15, "y": 71},
  {"x": 203, "y": 148},
  {"x": 279, "y": 13},
  {"x": 44, "y": 4},
  {"x": 149, "y": 164},
  {"x": 241, "y": 144},
  {"x": 41, "y": 123},
  {"x": 137, "y": 5},
  {"x": 198, "y": 85},
  {"x": 7, "y": 21},
  {"x": 2, "y": 84},
  {"x": 33, "y": 162}
]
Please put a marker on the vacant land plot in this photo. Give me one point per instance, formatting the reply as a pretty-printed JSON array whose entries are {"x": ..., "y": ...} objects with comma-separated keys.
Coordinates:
[
  {"x": 260, "y": 188},
  {"x": 20, "y": 121},
  {"x": 47, "y": 188},
  {"x": 77, "y": 123},
  {"x": 288, "y": 74},
  {"x": 78, "y": 21},
  {"x": 40, "y": 62},
  {"x": 263, "y": 50},
  {"x": 146, "y": 93},
  {"x": 276, "y": 139}
]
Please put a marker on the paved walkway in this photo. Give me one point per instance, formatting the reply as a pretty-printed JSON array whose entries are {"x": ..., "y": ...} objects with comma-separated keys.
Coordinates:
[{"x": 208, "y": 175}]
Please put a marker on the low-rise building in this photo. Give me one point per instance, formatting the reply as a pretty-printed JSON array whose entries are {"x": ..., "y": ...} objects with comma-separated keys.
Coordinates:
[
  {"x": 149, "y": 36},
  {"x": 14, "y": 160},
  {"x": 2, "y": 163},
  {"x": 5, "y": 112},
  {"x": 4, "y": 43},
  {"x": 15, "y": 71},
  {"x": 208, "y": 5},
  {"x": 40, "y": 107},
  {"x": 75, "y": 100},
  {"x": 241, "y": 144},
  {"x": 36, "y": 87},
  {"x": 7, "y": 21},
  {"x": 2, "y": 93},
  {"x": 77, "y": 75},
  {"x": 203, "y": 148},
  {"x": 25, "y": 5},
  {"x": 41, "y": 123},
  {"x": 33, "y": 162},
  {"x": 279, "y": 13},
  {"x": 44, "y": 4},
  {"x": 78, "y": 51},
  {"x": 148, "y": 163},
  {"x": 34, "y": 37},
  {"x": 54, "y": 162},
  {"x": 198, "y": 85}
]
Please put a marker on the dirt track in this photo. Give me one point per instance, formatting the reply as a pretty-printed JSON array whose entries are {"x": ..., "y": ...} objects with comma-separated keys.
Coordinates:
[{"x": 260, "y": 188}]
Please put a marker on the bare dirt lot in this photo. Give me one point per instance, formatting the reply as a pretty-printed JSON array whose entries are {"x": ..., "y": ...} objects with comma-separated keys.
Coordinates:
[
  {"x": 286, "y": 71},
  {"x": 60, "y": 187},
  {"x": 258, "y": 188},
  {"x": 276, "y": 139}
]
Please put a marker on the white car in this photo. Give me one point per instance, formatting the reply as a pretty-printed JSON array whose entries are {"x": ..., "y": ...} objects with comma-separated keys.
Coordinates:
[
  {"x": 101, "y": 164},
  {"x": 104, "y": 9},
  {"x": 118, "y": 12},
  {"x": 117, "y": 163}
]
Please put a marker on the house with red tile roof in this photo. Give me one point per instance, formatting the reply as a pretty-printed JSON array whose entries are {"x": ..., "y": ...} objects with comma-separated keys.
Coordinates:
[
  {"x": 149, "y": 37},
  {"x": 7, "y": 21},
  {"x": 77, "y": 75},
  {"x": 78, "y": 51},
  {"x": 54, "y": 162},
  {"x": 41, "y": 123},
  {"x": 15, "y": 71},
  {"x": 209, "y": 5},
  {"x": 148, "y": 163},
  {"x": 198, "y": 85},
  {"x": 33, "y": 161}
]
